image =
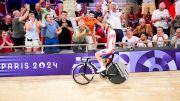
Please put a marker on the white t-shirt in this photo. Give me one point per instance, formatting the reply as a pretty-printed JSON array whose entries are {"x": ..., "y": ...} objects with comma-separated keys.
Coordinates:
[
  {"x": 111, "y": 40},
  {"x": 148, "y": 1},
  {"x": 160, "y": 39},
  {"x": 177, "y": 7},
  {"x": 157, "y": 14},
  {"x": 116, "y": 18},
  {"x": 131, "y": 41},
  {"x": 141, "y": 44}
]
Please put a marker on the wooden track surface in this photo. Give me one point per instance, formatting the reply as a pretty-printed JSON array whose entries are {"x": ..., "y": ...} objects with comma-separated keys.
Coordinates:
[{"x": 157, "y": 86}]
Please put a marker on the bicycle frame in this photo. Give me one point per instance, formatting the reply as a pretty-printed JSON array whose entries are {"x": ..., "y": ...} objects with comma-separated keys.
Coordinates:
[{"x": 87, "y": 61}]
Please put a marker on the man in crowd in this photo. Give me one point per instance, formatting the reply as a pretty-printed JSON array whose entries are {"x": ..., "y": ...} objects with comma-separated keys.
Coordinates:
[
  {"x": 129, "y": 40},
  {"x": 176, "y": 39},
  {"x": 79, "y": 36},
  {"x": 99, "y": 29},
  {"x": 148, "y": 6},
  {"x": 47, "y": 10},
  {"x": 176, "y": 21},
  {"x": 66, "y": 27},
  {"x": 161, "y": 17},
  {"x": 98, "y": 12},
  {"x": 160, "y": 39},
  {"x": 90, "y": 22},
  {"x": 52, "y": 30},
  {"x": 143, "y": 41},
  {"x": 18, "y": 27},
  {"x": 116, "y": 17},
  {"x": 37, "y": 12},
  {"x": 7, "y": 24}
]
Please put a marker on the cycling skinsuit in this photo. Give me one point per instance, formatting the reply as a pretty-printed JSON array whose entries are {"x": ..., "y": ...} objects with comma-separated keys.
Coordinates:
[{"x": 110, "y": 46}]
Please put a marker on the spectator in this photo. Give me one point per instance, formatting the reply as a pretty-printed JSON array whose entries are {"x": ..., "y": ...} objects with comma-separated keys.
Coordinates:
[
  {"x": 52, "y": 30},
  {"x": 37, "y": 12},
  {"x": 143, "y": 27},
  {"x": 44, "y": 12},
  {"x": 175, "y": 25},
  {"x": 79, "y": 36},
  {"x": 47, "y": 10},
  {"x": 172, "y": 11},
  {"x": 177, "y": 10},
  {"x": 60, "y": 6},
  {"x": 160, "y": 39},
  {"x": 5, "y": 40},
  {"x": 132, "y": 19},
  {"x": 148, "y": 6},
  {"x": 90, "y": 22},
  {"x": 18, "y": 27},
  {"x": 143, "y": 41},
  {"x": 176, "y": 39},
  {"x": 66, "y": 26},
  {"x": 32, "y": 41},
  {"x": 176, "y": 21},
  {"x": 23, "y": 9},
  {"x": 98, "y": 13},
  {"x": 84, "y": 4},
  {"x": 161, "y": 17},
  {"x": 7, "y": 24},
  {"x": 103, "y": 36},
  {"x": 104, "y": 7},
  {"x": 116, "y": 17},
  {"x": 78, "y": 9},
  {"x": 129, "y": 40}
]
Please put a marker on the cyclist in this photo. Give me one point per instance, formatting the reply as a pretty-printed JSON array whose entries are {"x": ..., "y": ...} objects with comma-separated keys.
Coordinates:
[{"x": 110, "y": 46}]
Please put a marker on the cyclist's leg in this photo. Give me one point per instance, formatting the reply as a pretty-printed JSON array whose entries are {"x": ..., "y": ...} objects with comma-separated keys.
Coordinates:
[{"x": 99, "y": 55}]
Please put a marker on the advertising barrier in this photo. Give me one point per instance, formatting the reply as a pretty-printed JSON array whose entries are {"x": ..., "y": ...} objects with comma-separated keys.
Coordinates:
[{"x": 61, "y": 64}]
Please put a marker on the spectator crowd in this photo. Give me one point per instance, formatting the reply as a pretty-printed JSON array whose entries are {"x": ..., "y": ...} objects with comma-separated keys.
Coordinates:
[{"x": 47, "y": 25}]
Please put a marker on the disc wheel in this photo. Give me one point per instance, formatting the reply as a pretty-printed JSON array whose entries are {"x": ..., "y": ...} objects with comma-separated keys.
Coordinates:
[{"x": 116, "y": 75}]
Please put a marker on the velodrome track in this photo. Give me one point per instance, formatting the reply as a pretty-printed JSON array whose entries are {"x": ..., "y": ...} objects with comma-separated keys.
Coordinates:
[{"x": 147, "y": 86}]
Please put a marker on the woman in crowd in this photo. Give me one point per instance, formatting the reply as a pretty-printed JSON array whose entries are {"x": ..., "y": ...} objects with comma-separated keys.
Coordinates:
[
  {"x": 143, "y": 27},
  {"x": 5, "y": 40},
  {"x": 32, "y": 40}
]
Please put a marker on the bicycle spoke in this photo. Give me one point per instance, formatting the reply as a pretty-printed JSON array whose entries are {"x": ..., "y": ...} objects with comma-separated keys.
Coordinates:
[{"x": 85, "y": 77}]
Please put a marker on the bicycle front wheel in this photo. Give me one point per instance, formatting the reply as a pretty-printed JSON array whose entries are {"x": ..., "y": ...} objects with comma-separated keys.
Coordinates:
[{"x": 83, "y": 74}]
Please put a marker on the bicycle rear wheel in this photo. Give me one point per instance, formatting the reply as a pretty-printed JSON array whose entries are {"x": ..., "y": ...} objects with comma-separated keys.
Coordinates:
[
  {"x": 83, "y": 74},
  {"x": 117, "y": 73}
]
